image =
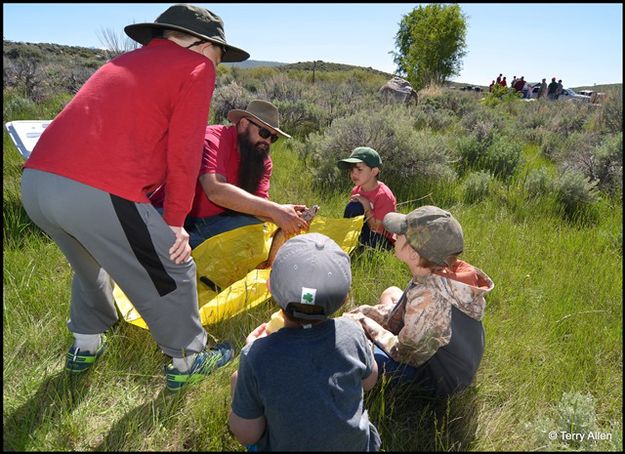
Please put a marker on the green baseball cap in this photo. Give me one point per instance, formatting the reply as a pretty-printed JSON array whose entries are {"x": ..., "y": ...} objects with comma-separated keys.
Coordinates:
[
  {"x": 362, "y": 154},
  {"x": 432, "y": 232}
]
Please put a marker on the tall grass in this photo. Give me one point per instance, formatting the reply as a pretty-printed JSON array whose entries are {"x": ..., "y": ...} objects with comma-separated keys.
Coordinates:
[{"x": 553, "y": 327}]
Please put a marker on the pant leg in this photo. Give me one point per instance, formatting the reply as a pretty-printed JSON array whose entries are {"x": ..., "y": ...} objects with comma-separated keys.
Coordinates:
[
  {"x": 367, "y": 237},
  {"x": 201, "y": 229},
  {"x": 397, "y": 372},
  {"x": 131, "y": 242}
]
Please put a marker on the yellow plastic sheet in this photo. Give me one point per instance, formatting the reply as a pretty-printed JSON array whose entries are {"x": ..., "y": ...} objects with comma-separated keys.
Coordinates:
[{"x": 228, "y": 279}]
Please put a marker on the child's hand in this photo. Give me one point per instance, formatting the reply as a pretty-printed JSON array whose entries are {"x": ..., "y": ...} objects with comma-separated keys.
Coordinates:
[
  {"x": 258, "y": 332},
  {"x": 362, "y": 200}
]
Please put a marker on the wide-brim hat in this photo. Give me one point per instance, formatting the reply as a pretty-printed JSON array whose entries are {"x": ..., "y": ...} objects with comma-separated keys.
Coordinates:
[
  {"x": 262, "y": 111},
  {"x": 189, "y": 19}
]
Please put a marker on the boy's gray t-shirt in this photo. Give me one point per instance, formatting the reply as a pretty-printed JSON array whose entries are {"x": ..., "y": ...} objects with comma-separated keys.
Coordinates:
[{"x": 308, "y": 385}]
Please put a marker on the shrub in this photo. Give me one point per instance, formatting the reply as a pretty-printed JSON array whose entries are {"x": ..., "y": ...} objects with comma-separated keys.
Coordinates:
[
  {"x": 576, "y": 193},
  {"x": 477, "y": 186},
  {"x": 568, "y": 117},
  {"x": 610, "y": 115},
  {"x": 607, "y": 165},
  {"x": 299, "y": 118},
  {"x": 407, "y": 155},
  {"x": 501, "y": 95},
  {"x": 501, "y": 158},
  {"x": 226, "y": 98},
  {"x": 538, "y": 183}
]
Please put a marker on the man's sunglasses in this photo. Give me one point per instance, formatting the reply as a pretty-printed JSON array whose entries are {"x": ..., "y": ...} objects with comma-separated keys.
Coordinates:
[
  {"x": 202, "y": 41},
  {"x": 264, "y": 132}
]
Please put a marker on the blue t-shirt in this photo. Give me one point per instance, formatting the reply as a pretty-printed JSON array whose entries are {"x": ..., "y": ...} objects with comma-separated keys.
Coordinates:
[{"x": 307, "y": 383}]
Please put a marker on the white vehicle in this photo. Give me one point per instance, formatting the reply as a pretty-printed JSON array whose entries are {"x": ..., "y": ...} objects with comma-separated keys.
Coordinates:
[{"x": 569, "y": 94}]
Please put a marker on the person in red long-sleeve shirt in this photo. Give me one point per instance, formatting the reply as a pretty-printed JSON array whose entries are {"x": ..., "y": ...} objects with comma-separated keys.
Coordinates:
[{"x": 136, "y": 124}]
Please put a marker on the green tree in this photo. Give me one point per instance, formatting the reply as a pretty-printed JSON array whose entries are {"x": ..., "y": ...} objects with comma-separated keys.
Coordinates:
[{"x": 431, "y": 44}]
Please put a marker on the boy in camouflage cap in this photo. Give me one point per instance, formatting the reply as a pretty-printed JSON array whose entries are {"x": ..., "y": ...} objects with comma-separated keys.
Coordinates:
[{"x": 432, "y": 332}]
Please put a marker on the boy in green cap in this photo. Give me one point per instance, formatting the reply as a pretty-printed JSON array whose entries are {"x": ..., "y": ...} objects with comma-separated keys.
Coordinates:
[{"x": 370, "y": 197}]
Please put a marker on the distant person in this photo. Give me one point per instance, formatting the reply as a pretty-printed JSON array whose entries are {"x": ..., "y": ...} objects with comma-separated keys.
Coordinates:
[
  {"x": 137, "y": 123},
  {"x": 490, "y": 87},
  {"x": 519, "y": 84},
  {"x": 233, "y": 185},
  {"x": 499, "y": 79},
  {"x": 552, "y": 89},
  {"x": 370, "y": 196},
  {"x": 503, "y": 82},
  {"x": 512, "y": 84},
  {"x": 542, "y": 91},
  {"x": 559, "y": 89},
  {"x": 301, "y": 388},
  {"x": 527, "y": 90},
  {"x": 431, "y": 334}
]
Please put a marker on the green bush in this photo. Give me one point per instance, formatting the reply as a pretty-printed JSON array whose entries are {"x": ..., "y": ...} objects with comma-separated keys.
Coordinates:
[
  {"x": 502, "y": 158},
  {"x": 407, "y": 155},
  {"x": 607, "y": 165},
  {"x": 226, "y": 98},
  {"x": 538, "y": 183},
  {"x": 576, "y": 193},
  {"x": 611, "y": 114},
  {"x": 477, "y": 187}
]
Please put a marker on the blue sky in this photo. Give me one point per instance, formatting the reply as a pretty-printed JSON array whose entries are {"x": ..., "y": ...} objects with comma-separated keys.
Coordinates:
[{"x": 582, "y": 44}]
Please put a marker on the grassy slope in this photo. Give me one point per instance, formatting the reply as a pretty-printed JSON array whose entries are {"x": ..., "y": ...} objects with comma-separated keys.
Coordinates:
[{"x": 553, "y": 324}]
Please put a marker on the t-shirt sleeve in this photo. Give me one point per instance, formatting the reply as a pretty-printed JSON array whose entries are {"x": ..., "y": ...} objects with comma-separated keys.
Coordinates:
[
  {"x": 246, "y": 402},
  {"x": 384, "y": 203},
  {"x": 213, "y": 161}
]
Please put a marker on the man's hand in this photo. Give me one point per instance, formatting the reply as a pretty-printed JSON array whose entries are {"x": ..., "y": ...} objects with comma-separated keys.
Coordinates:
[
  {"x": 181, "y": 250},
  {"x": 288, "y": 218}
]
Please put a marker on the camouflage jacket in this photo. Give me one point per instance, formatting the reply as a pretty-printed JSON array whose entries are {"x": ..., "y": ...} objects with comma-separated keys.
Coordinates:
[{"x": 413, "y": 329}]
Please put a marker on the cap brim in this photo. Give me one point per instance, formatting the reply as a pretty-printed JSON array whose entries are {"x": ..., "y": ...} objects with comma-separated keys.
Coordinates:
[
  {"x": 236, "y": 114},
  {"x": 142, "y": 33},
  {"x": 347, "y": 161},
  {"x": 395, "y": 223}
]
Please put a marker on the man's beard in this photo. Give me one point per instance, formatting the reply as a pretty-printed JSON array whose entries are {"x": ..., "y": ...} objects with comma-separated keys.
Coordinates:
[{"x": 252, "y": 163}]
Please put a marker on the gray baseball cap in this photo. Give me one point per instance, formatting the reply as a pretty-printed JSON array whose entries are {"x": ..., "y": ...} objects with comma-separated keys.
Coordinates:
[
  {"x": 311, "y": 276},
  {"x": 432, "y": 232}
]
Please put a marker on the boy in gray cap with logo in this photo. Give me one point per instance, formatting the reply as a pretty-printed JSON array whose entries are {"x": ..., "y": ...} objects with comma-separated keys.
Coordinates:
[
  {"x": 430, "y": 334},
  {"x": 301, "y": 387}
]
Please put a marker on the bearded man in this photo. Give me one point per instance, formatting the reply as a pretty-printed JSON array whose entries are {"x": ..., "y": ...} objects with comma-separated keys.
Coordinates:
[{"x": 233, "y": 185}]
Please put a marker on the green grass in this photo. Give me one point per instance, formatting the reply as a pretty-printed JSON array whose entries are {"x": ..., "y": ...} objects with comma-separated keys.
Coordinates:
[{"x": 553, "y": 325}]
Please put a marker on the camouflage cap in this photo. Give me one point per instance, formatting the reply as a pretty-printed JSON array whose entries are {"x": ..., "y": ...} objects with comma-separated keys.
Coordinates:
[
  {"x": 310, "y": 276},
  {"x": 432, "y": 232}
]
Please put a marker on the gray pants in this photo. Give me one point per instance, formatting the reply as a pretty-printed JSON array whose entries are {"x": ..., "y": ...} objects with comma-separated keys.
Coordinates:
[{"x": 104, "y": 235}]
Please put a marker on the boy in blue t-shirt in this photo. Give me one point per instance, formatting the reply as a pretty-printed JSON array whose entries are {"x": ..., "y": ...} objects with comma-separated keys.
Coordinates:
[{"x": 302, "y": 387}]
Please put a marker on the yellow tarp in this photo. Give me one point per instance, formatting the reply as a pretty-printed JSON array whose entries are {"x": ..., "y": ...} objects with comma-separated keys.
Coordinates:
[{"x": 228, "y": 281}]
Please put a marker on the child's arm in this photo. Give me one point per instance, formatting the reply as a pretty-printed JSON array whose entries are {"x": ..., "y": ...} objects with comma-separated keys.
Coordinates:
[
  {"x": 246, "y": 431},
  {"x": 372, "y": 379}
]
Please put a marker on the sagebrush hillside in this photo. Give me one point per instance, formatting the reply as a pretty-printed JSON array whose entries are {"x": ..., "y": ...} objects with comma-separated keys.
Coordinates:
[{"x": 537, "y": 187}]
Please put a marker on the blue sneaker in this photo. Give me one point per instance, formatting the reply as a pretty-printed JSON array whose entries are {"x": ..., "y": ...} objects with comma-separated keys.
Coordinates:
[
  {"x": 78, "y": 361},
  {"x": 205, "y": 363}
]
